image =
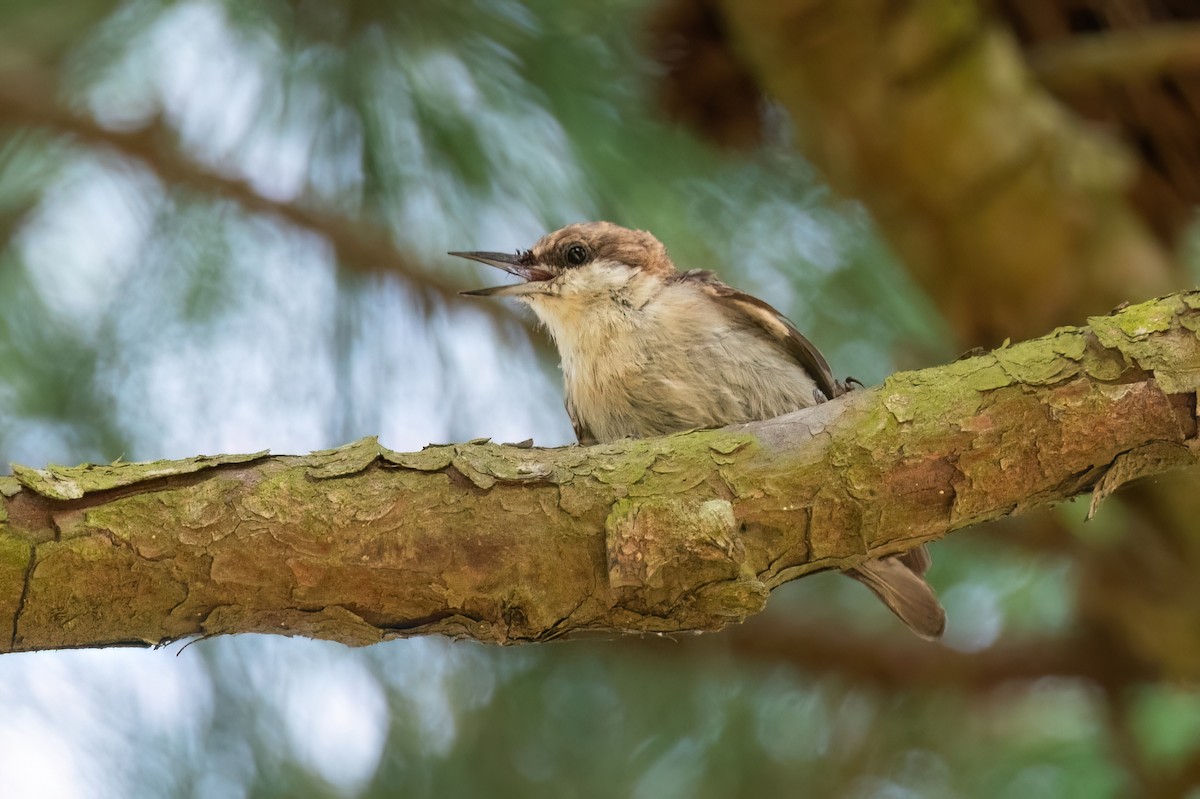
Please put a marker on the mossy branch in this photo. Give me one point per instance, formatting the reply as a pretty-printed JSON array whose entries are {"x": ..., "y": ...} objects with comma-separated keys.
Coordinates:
[{"x": 508, "y": 544}]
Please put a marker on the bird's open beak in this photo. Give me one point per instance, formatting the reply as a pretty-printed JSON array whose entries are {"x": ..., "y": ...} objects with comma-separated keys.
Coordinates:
[{"x": 530, "y": 273}]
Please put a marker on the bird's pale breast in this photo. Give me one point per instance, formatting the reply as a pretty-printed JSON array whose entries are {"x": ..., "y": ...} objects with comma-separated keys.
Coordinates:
[{"x": 681, "y": 362}]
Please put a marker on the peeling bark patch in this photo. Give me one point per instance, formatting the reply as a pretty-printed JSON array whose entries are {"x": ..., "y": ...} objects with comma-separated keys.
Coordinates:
[
  {"x": 486, "y": 465},
  {"x": 1027, "y": 363},
  {"x": 728, "y": 446},
  {"x": 47, "y": 483},
  {"x": 460, "y": 480},
  {"x": 1159, "y": 338},
  {"x": 576, "y": 500},
  {"x": 466, "y": 468},
  {"x": 72, "y": 482},
  {"x": 430, "y": 459},
  {"x": 334, "y": 622},
  {"x": 674, "y": 476},
  {"x": 626, "y": 470},
  {"x": 1136, "y": 321},
  {"x": 901, "y": 407},
  {"x": 1153, "y": 458},
  {"x": 345, "y": 460},
  {"x": 689, "y": 557},
  {"x": 1103, "y": 363}
]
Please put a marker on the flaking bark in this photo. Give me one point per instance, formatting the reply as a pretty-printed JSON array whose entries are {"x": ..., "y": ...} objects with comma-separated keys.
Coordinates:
[{"x": 507, "y": 544}]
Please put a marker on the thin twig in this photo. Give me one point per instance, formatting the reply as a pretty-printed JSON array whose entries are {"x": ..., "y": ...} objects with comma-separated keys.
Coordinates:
[{"x": 1131, "y": 55}]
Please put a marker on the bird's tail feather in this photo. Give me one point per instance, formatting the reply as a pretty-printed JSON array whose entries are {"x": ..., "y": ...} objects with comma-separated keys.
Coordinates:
[{"x": 897, "y": 580}]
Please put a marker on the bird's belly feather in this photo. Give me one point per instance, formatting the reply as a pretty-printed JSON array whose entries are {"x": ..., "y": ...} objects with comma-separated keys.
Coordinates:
[{"x": 723, "y": 379}]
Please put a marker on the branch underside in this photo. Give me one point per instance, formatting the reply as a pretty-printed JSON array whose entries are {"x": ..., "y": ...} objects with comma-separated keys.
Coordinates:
[{"x": 507, "y": 544}]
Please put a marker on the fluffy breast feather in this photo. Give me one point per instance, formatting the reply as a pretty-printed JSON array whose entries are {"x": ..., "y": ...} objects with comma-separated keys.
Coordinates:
[{"x": 683, "y": 360}]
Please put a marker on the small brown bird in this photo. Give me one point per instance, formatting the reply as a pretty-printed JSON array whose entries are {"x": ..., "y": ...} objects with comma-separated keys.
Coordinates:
[{"x": 647, "y": 350}]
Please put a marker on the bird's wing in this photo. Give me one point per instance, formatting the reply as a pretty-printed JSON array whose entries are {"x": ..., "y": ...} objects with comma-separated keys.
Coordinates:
[
  {"x": 582, "y": 432},
  {"x": 775, "y": 325}
]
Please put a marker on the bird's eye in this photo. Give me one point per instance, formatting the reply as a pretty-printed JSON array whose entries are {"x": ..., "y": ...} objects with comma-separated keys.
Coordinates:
[{"x": 577, "y": 255}]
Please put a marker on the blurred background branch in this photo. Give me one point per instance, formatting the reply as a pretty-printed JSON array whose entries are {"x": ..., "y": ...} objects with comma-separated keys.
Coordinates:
[
  {"x": 1143, "y": 54},
  {"x": 27, "y": 101},
  {"x": 903, "y": 665},
  {"x": 1004, "y": 232}
]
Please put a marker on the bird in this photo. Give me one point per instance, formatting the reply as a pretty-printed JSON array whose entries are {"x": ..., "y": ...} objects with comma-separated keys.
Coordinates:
[{"x": 648, "y": 350}]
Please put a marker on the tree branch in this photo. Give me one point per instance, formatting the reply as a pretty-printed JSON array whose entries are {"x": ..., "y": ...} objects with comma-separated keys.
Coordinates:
[
  {"x": 1143, "y": 54},
  {"x": 26, "y": 100},
  {"x": 507, "y": 544},
  {"x": 980, "y": 180}
]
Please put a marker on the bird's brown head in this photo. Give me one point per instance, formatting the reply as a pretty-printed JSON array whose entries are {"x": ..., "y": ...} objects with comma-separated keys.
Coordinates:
[{"x": 579, "y": 262}]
